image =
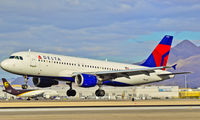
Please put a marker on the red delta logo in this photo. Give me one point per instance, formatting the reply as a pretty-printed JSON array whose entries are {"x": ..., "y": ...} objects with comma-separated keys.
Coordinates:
[
  {"x": 126, "y": 68},
  {"x": 39, "y": 57},
  {"x": 48, "y": 58}
]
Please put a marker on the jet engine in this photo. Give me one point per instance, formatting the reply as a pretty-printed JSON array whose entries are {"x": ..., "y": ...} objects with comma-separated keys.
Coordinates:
[
  {"x": 44, "y": 82},
  {"x": 86, "y": 80}
]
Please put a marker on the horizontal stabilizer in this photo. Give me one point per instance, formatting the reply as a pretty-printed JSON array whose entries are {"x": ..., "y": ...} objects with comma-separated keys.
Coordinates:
[
  {"x": 174, "y": 66},
  {"x": 174, "y": 73}
]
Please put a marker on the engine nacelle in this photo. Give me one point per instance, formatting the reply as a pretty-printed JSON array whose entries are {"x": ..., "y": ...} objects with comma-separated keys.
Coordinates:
[
  {"x": 85, "y": 80},
  {"x": 44, "y": 82}
]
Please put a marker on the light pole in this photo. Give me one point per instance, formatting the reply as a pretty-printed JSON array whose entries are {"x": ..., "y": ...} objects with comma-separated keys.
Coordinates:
[
  {"x": 186, "y": 86},
  {"x": 186, "y": 81}
]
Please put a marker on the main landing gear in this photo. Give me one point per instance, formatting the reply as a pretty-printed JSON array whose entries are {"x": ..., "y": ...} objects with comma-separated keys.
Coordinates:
[
  {"x": 25, "y": 86},
  {"x": 70, "y": 92},
  {"x": 100, "y": 92}
]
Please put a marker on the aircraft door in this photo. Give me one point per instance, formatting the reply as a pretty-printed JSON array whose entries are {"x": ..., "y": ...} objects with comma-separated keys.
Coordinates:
[
  {"x": 34, "y": 67},
  {"x": 33, "y": 62}
]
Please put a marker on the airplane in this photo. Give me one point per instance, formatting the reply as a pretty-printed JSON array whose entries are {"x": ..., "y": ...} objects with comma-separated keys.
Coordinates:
[
  {"x": 29, "y": 94},
  {"x": 47, "y": 69}
]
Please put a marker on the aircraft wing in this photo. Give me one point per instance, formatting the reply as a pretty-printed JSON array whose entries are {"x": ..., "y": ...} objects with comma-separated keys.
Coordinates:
[{"x": 108, "y": 75}]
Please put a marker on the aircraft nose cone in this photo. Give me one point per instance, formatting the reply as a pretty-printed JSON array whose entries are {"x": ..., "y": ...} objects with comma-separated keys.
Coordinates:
[{"x": 4, "y": 64}]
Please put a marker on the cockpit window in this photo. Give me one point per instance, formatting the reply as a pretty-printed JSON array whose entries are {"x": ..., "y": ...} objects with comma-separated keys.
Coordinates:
[
  {"x": 16, "y": 57},
  {"x": 20, "y": 57},
  {"x": 11, "y": 57}
]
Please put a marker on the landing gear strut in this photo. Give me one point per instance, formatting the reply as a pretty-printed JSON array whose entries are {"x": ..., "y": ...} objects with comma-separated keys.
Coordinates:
[
  {"x": 25, "y": 86},
  {"x": 100, "y": 92},
  {"x": 70, "y": 92}
]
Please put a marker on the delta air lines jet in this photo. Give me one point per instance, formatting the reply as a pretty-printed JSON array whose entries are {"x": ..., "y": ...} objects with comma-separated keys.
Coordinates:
[{"x": 48, "y": 69}]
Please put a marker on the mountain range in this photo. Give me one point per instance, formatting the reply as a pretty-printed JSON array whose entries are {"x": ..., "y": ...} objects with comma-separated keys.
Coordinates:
[{"x": 187, "y": 57}]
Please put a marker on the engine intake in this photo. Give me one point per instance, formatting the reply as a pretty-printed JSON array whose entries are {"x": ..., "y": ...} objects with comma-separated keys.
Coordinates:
[
  {"x": 44, "y": 82},
  {"x": 86, "y": 80}
]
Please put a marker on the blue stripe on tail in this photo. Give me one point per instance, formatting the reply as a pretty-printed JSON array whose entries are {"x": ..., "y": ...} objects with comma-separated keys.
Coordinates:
[{"x": 167, "y": 40}]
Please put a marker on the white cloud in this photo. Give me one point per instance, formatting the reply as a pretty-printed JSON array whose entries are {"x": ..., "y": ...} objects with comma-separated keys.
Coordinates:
[
  {"x": 76, "y": 27},
  {"x": 73, "y": 2}
]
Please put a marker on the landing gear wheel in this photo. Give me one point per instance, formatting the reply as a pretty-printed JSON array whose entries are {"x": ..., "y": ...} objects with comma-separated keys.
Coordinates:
[
  {"x": 24, "y": 86},
  {"x": 100, "y": 93},
  {"x": 36, "y": 99},
  {"x": 71, "y": 92}
]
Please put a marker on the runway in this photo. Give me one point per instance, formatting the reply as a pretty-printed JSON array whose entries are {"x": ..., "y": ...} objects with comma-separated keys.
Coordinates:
[
  {"x": 105, "y": 113},
  {"x": 101, "y": 110},
  {"x": 98, "y": 108}
]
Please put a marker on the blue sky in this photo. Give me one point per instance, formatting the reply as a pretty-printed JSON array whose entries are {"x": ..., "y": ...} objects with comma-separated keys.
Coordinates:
[{"x": 119, "y": 30}]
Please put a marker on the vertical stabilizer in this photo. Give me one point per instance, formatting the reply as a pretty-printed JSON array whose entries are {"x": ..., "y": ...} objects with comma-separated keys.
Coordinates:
[
  {"x": 8, "y": 87},
  {"x": 160, "y": 54}
]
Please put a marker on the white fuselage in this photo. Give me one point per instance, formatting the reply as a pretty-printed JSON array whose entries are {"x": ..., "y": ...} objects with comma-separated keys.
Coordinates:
[
  {"x": 39, "y": 93},
  {"x": 58, "y": 66}
]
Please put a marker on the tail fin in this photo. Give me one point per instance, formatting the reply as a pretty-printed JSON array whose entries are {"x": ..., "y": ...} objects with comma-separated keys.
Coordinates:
[
  {"x": 160, "y": 54},
  {"x": 8, "y": 87}
]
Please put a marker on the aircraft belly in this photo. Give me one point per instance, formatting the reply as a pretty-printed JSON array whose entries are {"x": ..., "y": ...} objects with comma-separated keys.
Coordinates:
[
  {"x": 30, "y": 94},
  {"x": 51, "y": 93}
]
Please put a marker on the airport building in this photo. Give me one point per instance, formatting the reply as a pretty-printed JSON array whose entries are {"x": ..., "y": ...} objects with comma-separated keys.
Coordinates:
[
  {"x": 125, "y": 93},
  {"x": 189, "y": 93},
  {"x": 156, "y": 92},
  {"x": 120, "y": 93}
]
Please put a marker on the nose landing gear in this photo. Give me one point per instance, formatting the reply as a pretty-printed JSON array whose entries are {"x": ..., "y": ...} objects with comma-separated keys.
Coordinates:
[{"x": 25, "y": 86}]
